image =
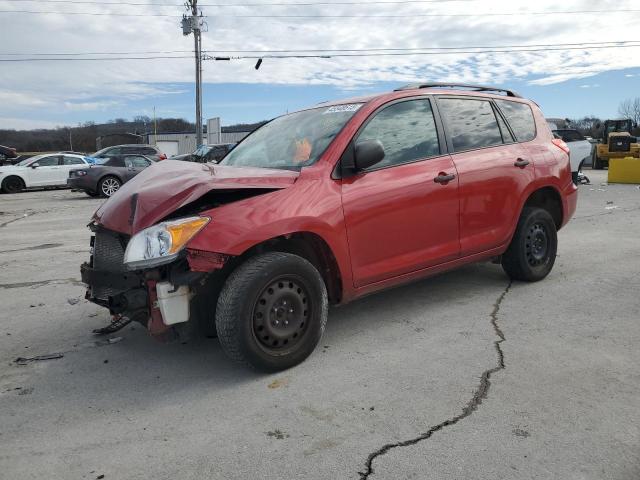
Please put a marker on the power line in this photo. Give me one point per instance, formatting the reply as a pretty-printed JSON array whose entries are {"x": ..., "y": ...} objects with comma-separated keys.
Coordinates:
[
  {"x": 413, "y": 15},
  {"x": 71, "y": 54},
  {"x": 335, "y": 55},
  {"x": 611, "y": 43},
  {"x": 423, "y": 49},
  {"x": 275, "y": 4}
]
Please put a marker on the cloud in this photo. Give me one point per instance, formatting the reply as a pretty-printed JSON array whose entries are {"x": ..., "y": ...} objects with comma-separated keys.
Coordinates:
[{"x": 50, "y": 88}]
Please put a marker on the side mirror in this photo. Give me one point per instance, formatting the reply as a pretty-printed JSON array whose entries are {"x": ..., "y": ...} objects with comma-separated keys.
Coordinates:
[
  {"x": 368, "y": 153},
  {"x": 35, "y": 165}
]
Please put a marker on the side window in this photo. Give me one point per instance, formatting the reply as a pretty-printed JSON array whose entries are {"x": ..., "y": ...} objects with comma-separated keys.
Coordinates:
[
  {"x": 148, "y": 151},
  {"x": 71, "y": 161},
  {"x": 407, "y": 131},
  {"x": 48, "y": 162},
  {"x": 520, "y": 117},
  {"x": 140, "y": 162},
  {"x": 114, "y": 162},
  {"x": 471, "y": 123},
  {"x": 506, "y": 135}
]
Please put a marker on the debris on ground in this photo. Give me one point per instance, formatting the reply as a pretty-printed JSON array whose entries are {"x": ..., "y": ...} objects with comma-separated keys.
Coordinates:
[
  {"x": 73, "y": 301},
  {"x": 108, "y": 341},
  {"x": 38, "y": 358}
]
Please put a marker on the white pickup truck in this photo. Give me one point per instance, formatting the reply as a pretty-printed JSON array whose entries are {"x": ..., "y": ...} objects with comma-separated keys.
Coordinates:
[{"x": 581, "y": 149}]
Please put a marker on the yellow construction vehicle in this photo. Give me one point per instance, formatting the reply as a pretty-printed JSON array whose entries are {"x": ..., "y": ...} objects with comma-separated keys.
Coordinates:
[{"x": 617, "y": 142}]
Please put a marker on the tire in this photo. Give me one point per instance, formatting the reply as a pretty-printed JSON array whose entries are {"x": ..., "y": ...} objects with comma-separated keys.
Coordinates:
[
  {"x": 532, "y": 251},
  {"x": 13, "y": 184},
  {"x": 108, "y": 186},
  {"x": 597, "y": 163},
  {"x": 91, "y": 193},
  {"x": 272, "y": 311}
]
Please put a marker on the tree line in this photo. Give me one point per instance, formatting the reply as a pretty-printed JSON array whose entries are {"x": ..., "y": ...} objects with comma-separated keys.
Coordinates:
[{"x": 82, "y": 138}]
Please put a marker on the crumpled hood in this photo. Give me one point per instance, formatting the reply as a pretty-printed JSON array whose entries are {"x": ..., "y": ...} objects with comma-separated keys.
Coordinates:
[{"x": 168, "y": 185}]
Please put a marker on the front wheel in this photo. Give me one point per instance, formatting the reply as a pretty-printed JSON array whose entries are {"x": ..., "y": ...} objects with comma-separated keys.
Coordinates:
[
  {"x": 12, "y": 185},
  {"x": 272, "y": 311},
  {"x": 532, "y": 251}
]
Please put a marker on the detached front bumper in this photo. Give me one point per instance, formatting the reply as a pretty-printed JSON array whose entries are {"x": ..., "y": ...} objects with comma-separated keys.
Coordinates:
[{"x": 159, "y": 298}]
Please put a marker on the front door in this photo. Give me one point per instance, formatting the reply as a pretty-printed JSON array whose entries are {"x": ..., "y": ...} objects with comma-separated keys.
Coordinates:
[
  {"x": 399, "y": 219},
  {"x": 44, "y": 172}
]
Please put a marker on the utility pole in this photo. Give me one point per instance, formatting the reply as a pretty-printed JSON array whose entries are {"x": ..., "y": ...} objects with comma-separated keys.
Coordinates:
[{"x": 193, "y": 23}]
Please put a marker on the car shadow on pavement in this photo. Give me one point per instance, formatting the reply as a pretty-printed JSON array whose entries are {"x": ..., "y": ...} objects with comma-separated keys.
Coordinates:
[{"x": 136, "y": 369}]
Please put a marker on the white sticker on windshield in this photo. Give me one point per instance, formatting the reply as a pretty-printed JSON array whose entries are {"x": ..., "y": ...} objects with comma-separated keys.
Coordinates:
[{"x": 349, "y": 107}]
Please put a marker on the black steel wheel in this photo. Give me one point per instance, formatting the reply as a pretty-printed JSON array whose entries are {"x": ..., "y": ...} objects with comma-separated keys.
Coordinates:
[
  {"x": 272, "y": 311},
  {"x": 532, "y": 251},
  {"x": 281, "y": 314},
  {"x": 536, "y": 245},
  {"x": 12, "y": 184}
]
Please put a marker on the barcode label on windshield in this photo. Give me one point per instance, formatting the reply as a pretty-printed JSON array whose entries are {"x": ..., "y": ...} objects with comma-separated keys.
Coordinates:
[{"x": 350, "y": 107}]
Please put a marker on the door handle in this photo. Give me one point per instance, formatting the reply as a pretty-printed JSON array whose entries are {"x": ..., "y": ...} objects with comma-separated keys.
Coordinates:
[
  {"x": 444, "y": 178},
  {"x": 521, "y": 162}
]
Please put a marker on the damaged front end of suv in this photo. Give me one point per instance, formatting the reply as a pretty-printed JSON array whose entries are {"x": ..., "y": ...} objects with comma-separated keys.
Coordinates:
[{"x": 142, "y": 267}]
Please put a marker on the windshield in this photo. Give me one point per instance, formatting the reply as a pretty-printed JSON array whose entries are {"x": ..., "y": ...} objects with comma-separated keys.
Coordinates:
[
  {"x": 27, "y": 161},
  {"x": 202, "y": 150},
  {"x": 292, "y": 141},
  {"x": 618, "y": 126},
  {"x": 100, "y": 152}
]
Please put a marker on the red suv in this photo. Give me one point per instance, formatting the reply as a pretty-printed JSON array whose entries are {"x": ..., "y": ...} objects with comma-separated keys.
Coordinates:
[{"x": 326, "y": 205}]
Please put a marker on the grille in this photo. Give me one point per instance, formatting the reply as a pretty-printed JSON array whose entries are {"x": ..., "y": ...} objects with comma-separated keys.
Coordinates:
[
  {"x": 620, "y": 144},
  {"x": 108, "y": 255}
]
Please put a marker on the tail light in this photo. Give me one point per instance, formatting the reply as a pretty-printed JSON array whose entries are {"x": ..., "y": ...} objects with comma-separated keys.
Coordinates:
[
  {"x": 162, "y": 156},
  {"x": 558, "y": 142}
]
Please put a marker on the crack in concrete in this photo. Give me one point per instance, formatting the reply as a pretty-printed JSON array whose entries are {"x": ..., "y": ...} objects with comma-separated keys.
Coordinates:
[
  {"x": 44, "y": 246},
  {"x": 479, "y": 395},
  {"x": 4, "y": 224},
  {"x": 41, "y": 283}
]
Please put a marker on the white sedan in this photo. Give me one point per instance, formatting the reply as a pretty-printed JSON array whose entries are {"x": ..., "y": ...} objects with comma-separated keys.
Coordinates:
[{"x": 48, "y": 170}]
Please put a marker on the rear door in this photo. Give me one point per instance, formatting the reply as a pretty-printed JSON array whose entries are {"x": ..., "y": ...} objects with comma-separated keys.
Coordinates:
[
  {"x": 70, "y": 163},
  {"x": 398, "y": 219},
  {"x": 493, "y": 171}
]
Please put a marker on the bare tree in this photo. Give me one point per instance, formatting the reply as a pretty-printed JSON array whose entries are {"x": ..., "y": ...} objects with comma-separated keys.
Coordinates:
[{"x": 630, "y": 108}]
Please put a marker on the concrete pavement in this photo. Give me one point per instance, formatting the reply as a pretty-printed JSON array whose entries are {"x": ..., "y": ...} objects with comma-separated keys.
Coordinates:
[{"x": 415, "y": 382}]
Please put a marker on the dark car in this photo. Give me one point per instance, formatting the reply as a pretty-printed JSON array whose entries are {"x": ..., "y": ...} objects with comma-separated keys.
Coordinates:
[
  {"x": 8, "y": 155},
  {"x": 206, "y": 153},
  {"x": 105, "y": 179},
  {"x": 149, "y": 151}
]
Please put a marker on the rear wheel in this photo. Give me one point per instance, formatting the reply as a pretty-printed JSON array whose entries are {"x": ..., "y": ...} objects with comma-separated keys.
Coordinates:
[
  {"x": 597, "y": 163},
  {"x": 532, "y": 251},
  {"x": 272, "y": 311},
  {"x": 12, "y": 185},
  {"x": 109, "y": 185}
]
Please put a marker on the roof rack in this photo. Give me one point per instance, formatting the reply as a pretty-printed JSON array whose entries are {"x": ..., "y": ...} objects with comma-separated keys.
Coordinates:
[{"x": 475, "y": 88}]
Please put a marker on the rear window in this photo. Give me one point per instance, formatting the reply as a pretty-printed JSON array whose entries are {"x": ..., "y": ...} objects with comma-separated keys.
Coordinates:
[
  {"x": 147, "y": 151},
  {"x": 520, "y": 117},
  {"x": 471, "y": 123}
]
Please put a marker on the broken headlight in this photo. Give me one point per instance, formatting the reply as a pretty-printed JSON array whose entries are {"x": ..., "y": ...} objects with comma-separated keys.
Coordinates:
[{"x": 161, "y": 243}]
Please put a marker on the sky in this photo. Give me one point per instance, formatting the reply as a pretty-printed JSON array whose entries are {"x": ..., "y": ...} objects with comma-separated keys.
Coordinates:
[{"x": 563, "y": 77}]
